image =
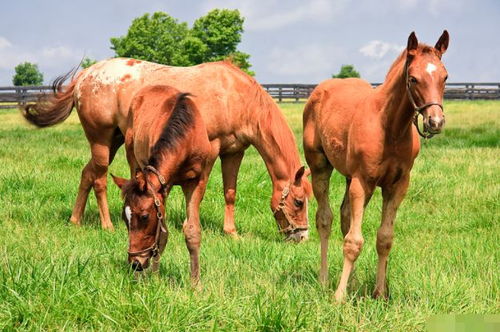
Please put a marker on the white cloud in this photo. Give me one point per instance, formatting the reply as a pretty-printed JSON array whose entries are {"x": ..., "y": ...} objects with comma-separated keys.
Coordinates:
[
  {"x": 57, "y": 52},
  {"x": 434, "y": 7},
  {"x": 4, "y": 43},
  {"x": 272, "y": 14},
  {"x": 316, "y": 61},
  {"x": 51, "y": 60},
  {"x": 378, "y": 49}
]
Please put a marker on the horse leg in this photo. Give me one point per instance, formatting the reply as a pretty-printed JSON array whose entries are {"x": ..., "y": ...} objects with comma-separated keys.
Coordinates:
[
  {"x": 345, "y": 210},
  {"x": 321, "y": 170},
  {"x": 359, "y": 193},
  {"x": 193, "y": 192},
  {"x": 230, "y": 165},
  {"x": 392, "y": 198},
  {"x": 94, "y": 175}
]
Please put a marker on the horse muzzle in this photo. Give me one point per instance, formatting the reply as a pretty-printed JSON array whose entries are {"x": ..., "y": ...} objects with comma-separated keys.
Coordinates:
[
  {"x": 297, "y": 236},
  {"x": 139, "y": 263},
  {"x": 434, "y": 125}
]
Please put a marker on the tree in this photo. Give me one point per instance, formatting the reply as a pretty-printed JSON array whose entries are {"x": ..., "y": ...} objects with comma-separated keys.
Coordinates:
[
  {"x": 87, "y": 62},
  {"x": 220, "y": 30},
  {"x": 163, "y": 39},
  {"x": 347, "y": 71},
  {"x": 156, "y": 38},
  {"x": 27, "y": 74}
]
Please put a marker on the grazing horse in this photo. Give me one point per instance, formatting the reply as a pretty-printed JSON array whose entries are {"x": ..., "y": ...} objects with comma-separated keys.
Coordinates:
[
  {"x": 368, "y": 136},
  {"x": 237, "y": 113},
  {"x": 167, "y": 138}
]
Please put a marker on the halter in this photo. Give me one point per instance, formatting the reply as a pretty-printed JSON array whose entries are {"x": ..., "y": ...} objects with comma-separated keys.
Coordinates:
[
  {"x": 292, "y": 226},
  {"x": 418, "y": 109},
  {"x": 160, "y": 228}
]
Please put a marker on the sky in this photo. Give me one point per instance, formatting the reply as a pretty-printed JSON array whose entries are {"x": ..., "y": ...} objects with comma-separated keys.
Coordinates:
[{"x": 292, "y": 41}]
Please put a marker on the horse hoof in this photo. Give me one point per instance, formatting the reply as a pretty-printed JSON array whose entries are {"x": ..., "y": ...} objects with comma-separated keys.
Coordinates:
[
  {"x": 75, "y": 222},
  {"x": 233, "y": 235},
  {"x": 340, "y": 297},
  {"x": 377, "y": 294},
  {"x": 108, "y": 228}
]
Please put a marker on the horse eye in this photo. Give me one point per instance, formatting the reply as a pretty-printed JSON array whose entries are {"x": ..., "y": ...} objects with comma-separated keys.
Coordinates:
[
  {"x": 298, "y": 203},
  {"x": 145, "y": 217},
  {"x": 413, "y": 80}
]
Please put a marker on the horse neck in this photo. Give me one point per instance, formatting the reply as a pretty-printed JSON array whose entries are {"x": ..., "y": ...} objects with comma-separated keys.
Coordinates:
[
  {"x": 397, "y": 110},
  {"x": 276, "y": 144},
  {"x": 167, "y": 164}
]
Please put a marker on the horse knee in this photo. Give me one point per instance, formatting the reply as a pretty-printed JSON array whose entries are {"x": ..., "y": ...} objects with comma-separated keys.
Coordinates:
[
  {"x": 192, "y": 234},
  {"x": 384, "y": 242},
  {"x": 353, "y": 246},
  {"x": 100, "y": 185},
  {"x": 230, "y": 196},
  {"x": 324, "y": 222}
]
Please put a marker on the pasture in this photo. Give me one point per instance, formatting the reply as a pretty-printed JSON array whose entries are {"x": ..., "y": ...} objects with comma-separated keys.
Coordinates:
[{"x": 53, "y": 275}]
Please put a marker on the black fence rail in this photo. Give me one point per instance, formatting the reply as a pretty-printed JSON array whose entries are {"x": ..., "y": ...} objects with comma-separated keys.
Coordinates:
[
  {"x": 297, "y": 92},
  {"x": 15, "y": 96}
]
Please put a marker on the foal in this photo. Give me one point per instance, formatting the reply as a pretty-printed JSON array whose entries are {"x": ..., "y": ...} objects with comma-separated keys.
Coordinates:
[
  {"x": 368, "y": 136},
  {"x": 167, "y": 138}
]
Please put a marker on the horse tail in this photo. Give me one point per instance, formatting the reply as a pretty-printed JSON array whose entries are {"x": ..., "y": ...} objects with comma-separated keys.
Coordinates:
[{"x": 51, "y": 109}]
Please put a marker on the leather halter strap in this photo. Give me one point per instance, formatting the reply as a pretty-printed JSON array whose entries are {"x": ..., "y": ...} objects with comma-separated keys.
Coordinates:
[
  {"x": 292, "y": 226},
  {"x": 160, "y": 228},
  {"x": 418, "y": 109}
]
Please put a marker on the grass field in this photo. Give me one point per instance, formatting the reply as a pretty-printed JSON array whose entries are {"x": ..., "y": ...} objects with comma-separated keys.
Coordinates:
[{"x": 445, "y": 257}]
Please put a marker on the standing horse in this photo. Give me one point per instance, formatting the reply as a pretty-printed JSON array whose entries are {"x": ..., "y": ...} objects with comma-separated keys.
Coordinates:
[
  {"x": 237, "y": 113},
  {"x": 368, "y": 136},
  {"x": 167, "y": 138}
]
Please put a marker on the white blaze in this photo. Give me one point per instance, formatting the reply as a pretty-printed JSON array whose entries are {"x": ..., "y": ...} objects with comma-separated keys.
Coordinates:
[
  {"x": 128, "y": 214},
  {"x": 430, "y": 68}
]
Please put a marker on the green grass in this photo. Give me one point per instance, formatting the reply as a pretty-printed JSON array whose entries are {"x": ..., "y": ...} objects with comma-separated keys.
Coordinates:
[{"x": 55, "y": 276}]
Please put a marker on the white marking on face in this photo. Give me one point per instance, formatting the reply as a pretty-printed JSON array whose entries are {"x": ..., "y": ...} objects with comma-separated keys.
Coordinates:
[
  {"x": 430, "y": 68},
  {"x": 128, "y": 214}
]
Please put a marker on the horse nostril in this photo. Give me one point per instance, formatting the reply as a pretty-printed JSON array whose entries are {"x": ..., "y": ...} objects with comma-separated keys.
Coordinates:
[{"x": 136, "y": 266}]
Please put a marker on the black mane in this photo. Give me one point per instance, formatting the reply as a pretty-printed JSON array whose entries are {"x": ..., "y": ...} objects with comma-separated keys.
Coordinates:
[{"x": 179, "y": 122}]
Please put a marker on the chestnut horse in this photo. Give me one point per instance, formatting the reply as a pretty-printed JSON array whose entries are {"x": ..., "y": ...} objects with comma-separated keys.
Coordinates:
[
  {"x": 167, "y": 138},
  {"x": 368, "y": 136},
  {"x": 237, "y": 113}
]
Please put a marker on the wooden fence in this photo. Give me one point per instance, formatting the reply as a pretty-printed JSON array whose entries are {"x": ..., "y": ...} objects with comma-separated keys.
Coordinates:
[
  {"x": 296, "y": 92},
  {"x": 14, "y": 96}
]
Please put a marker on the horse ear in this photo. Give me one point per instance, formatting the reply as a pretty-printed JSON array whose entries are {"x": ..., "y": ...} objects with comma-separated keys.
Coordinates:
[
  {"x": 120, "y": 182},
  {"x": 412, "y": 46},
  {"x": 298, "y": 175},
  {"x": 442, "y": 43},
  {"x": 141, "y": 179}
]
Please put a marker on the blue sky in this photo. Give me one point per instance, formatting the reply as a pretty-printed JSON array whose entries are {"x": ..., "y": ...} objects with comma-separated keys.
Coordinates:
[{"x": 289, "y": 41}]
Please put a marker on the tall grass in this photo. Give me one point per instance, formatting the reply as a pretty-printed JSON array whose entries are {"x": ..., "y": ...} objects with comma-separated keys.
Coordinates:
[{"x": 55, "y": 276}]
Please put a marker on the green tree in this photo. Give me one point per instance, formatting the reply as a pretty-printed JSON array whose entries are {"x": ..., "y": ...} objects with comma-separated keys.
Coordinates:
[
  {"x": 27, "y": 74},
  {"x": 163, "y": 39},
  {"x": 347, "y": 71},
  {"x": 87, "y": 62},
  {"x": 220, "y": 30},
  {"x": 156, "y": 38}
]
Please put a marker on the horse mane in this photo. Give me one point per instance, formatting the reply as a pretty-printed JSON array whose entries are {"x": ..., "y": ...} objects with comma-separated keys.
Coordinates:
[
  {"x": 273, "y": 121},
  {"x": 180, "y": 120}
]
